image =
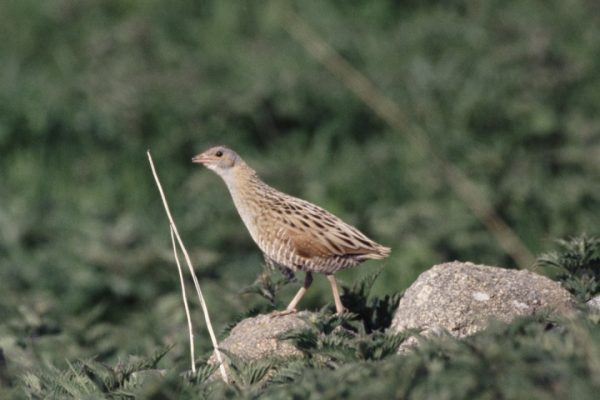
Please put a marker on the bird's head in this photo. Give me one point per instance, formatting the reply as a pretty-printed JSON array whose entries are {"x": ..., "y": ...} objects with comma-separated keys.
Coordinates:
[{"x": 219, "y": 159}]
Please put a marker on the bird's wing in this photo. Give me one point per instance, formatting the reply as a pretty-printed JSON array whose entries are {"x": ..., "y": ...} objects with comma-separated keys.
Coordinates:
[{"x": 315, "y": 232}]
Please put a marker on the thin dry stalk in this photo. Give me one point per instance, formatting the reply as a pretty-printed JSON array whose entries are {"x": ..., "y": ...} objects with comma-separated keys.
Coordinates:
[
  {"x": 389, "y": 111},
  {"x": 185, "y": 303},
  {"x": 211, "y": 332}
]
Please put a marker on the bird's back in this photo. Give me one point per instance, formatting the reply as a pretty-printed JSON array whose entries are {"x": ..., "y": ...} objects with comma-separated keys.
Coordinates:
[{"x": 297, "y": 234}]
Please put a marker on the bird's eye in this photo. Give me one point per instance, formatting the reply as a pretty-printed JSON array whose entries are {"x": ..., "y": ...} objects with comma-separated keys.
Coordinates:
[{"x": 219, "y": 153}]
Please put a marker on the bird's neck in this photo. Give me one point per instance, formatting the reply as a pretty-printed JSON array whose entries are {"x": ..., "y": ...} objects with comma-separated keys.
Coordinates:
[
  {"x": 240, "y": 179},
  {"x": 245, "y": 188}
]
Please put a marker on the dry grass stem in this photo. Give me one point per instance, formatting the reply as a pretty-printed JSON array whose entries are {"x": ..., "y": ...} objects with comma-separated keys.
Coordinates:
[
  {"x": 185, "y": 303},
  {"x": 209, "y": 327}
]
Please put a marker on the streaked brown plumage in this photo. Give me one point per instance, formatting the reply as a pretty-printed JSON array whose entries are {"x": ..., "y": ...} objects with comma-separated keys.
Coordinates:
[{"x": 292, "y": 233}]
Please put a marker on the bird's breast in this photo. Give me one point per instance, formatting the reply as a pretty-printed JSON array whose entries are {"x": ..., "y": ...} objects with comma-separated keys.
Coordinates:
[{"x": 249, "y": 216}]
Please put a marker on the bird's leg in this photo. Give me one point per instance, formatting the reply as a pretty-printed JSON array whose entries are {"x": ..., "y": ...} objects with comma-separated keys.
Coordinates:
[
  {"x": 291, "y": 308},
  {"x": 339, "y": 307},
  {"x": 307, "y": 282}
]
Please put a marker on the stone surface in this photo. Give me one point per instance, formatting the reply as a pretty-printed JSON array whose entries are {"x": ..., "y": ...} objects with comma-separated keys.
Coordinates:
[
  {"x": 461, "y": 297},
  {"x": 594, "y": 303},
  {"x": 256, "y": 338}
]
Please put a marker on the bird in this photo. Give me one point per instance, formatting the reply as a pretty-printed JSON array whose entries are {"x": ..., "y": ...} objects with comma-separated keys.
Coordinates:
[{"x": 293, "y": 234}]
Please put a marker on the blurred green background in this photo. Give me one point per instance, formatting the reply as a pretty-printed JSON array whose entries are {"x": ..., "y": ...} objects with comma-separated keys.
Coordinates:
[{"x": 508, "y": 91}]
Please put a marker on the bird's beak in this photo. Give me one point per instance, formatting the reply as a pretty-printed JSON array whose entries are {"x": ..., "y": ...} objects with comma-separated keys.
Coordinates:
[{"x": 200, "y": 159}]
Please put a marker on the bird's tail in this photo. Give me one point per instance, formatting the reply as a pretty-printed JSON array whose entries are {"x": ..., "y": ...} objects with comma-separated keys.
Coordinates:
[{"x": 379, "y": 252}]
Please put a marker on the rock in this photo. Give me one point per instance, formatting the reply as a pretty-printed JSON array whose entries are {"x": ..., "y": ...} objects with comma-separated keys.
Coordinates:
[
  {"x": 594, "y": 303},
  {"x": 460, "y": 297},
  {"x": 256, "y": 338}
]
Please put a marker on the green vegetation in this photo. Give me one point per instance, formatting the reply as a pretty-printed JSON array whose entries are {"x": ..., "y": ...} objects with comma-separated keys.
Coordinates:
[
  {"x": 535, "y": 357},
  {"x": 508, "y": 91},
  {"x": 577, "y": 266}
]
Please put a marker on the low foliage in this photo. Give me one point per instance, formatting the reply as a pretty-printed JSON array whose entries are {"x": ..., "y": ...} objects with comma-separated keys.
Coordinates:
[
  {"x": 541, "y": 356},
  {"x": 535, "y": 357},
  {"x": 577, "y": 265},
  {"x": 331, "y": 341},
  {"x": 375, "y": 313},
  {"x": 538, "y": 357},
  {"x": 87, "y": 378}
]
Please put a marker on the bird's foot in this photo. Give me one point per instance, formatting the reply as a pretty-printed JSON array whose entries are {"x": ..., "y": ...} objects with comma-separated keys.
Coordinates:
[{"x": 282, "y": 313}]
